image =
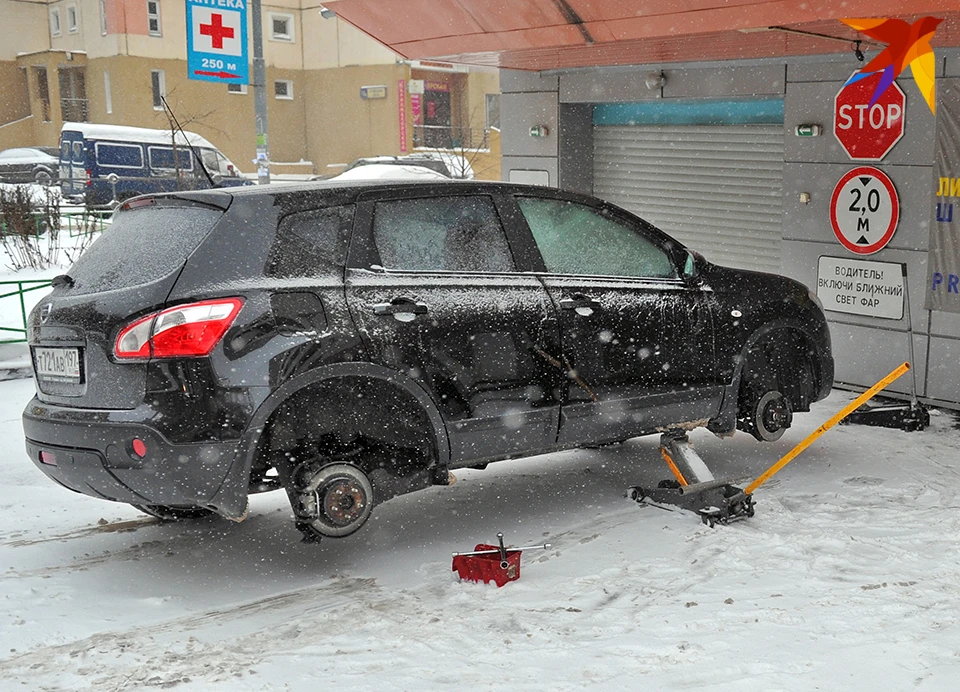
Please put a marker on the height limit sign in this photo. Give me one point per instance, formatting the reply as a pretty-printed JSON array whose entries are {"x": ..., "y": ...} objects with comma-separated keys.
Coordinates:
[
  {"x": 864, "y": 210},
  {"x": 217, "y": 41}
]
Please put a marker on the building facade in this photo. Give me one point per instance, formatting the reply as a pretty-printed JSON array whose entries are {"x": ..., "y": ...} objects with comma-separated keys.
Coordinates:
[{"x": 108, "y": 61}]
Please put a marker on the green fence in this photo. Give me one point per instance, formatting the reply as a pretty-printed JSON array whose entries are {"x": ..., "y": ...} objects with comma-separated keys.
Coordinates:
[{"x": 15, "y": 290}]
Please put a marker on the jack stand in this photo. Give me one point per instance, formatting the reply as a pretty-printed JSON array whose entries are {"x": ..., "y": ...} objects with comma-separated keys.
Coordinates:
[
  {"x": 908, "y": 416},
  {"x": 695, "y": 489}
]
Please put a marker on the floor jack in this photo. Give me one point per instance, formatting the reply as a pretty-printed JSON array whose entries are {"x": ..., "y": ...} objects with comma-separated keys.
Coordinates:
[
  {"x": 694, "y": 488},
  {"x": 720, "y": 502}
]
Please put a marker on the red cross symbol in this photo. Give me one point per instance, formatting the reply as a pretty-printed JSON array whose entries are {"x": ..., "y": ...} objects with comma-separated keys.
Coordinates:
[{"x": 216, "y": 30}]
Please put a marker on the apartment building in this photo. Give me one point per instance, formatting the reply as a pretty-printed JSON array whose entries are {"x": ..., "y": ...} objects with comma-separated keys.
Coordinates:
[{"x": 334, "y": 93}]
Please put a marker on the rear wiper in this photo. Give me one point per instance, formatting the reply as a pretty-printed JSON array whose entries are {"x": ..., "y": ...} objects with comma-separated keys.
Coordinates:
[{"x": 61, "y": 280}]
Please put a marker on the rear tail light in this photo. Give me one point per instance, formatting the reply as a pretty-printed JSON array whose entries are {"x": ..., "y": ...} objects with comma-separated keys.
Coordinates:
[
  {"x": 48, "y": 458},
  {"x": 89, "y": 182},
  {"x": 186, "y": 331}
]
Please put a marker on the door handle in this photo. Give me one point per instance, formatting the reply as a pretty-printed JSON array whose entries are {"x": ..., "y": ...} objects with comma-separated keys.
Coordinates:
[
  {"x": 400, "y": 305},
  {"x": 578, "y": 302}
]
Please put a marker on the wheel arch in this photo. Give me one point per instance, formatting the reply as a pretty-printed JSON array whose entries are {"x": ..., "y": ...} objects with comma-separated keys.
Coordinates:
[
  {"x": 725, "y": 422},
  {"x": 231, "y": 498}
]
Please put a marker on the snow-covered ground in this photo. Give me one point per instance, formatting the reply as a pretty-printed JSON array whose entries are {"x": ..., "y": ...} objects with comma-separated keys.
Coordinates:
[{"x": 846, "y": 579}]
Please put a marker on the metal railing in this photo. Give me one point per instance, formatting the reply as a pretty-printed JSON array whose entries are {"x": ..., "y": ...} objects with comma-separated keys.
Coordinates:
[
  {"x": 22, "y": 287},
  {"x": 448, "y": 137},
  {"x": 76, "y": 224}
]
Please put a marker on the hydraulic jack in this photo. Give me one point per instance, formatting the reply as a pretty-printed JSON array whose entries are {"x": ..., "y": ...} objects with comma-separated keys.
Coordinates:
[{"x": 693, "y": 487}]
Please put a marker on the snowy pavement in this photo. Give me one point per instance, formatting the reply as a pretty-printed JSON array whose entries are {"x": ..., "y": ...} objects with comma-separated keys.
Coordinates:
[{"x": 846, "y": 579}]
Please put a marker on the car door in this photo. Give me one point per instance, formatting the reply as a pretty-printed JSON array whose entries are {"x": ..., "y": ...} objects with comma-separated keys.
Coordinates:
[
  {"x": 432, "y": 285},
  {"x": 637, "y": 339}
]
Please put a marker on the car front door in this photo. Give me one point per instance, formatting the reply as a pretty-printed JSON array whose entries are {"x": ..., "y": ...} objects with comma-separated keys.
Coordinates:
[
  {"x": 432, "y": 285},
  {"x": 637, "y": 339}
]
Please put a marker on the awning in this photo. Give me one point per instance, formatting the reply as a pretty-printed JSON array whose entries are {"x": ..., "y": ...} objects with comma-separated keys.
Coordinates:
[{"x": 557, "y": 34}]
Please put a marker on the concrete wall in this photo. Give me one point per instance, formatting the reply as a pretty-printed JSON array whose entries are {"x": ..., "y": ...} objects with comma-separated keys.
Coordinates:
[{"x": 865, "y": 348}]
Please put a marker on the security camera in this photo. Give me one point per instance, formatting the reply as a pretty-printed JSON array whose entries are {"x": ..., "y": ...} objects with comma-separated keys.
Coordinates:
[
  {"x": 656, "y": 80},
  {"x": 327, "y": 14}
]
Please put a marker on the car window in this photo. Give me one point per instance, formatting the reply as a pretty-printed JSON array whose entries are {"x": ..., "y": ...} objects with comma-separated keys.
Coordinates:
[
  {"x": 458, "y": 233},
  {"x": 576, "y": 239},
  {"x": 117, "y": 155},
  {"x": 165, "y": 158},
  {"x": 309, "y": 243},
  {"x": 65, "y": 150},
  {"x": 78, "y": 151}
]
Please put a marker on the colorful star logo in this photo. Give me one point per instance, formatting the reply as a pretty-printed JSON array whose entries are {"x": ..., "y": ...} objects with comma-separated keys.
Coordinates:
[{"x": 907, "y": 44}]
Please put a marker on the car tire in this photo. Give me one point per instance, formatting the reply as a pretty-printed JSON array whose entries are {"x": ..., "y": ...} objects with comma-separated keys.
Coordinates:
[
  {"x": 174, "y": 513},
  {"x": 42, "y": 176},
  {"x": 335, "y": 499},
  {"x": 767, "y": 415}
]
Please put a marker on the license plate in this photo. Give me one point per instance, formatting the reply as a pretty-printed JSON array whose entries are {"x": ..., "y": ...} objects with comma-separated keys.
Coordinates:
[{"x": 58, "y": 363}]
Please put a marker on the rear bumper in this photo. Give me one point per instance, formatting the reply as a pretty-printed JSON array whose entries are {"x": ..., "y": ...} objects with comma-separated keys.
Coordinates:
[{"x": 95, "y": 457}]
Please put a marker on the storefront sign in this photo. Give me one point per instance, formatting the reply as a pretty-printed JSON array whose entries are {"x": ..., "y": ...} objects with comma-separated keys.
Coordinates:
[
  {"x": 402, "y": 113},
  {"x": 861, "y": 287},
  {"x": 864, "y": 210},
  {"x": 943, "y": 261}
]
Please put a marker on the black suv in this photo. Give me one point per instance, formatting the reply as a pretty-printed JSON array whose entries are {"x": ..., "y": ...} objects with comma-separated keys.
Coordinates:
[{"x": 351, "y": 342}]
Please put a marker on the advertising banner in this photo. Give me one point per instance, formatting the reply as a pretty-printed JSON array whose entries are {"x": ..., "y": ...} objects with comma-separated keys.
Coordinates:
[{"x": 943, "y": 273}]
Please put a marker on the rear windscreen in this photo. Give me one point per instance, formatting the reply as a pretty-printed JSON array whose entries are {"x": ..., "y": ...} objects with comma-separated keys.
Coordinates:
[{"x": 141, "y": 246}]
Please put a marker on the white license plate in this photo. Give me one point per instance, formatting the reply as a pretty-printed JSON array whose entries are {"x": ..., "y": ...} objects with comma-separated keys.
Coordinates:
[{"x": 58, "y": 363}]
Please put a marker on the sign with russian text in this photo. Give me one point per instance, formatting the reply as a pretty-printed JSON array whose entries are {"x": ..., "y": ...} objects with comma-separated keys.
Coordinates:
[
  {"x": 217, "y": 41},
  {"x": 861, "y": 287},
  {"x": 864, "y": 210},
  {"x": 943, "y": 260}
]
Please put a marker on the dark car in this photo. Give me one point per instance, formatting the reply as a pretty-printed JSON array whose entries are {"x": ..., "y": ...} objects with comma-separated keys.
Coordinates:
[
  {"x": 29, "y": 165},
  {"x": 351, "y": 342}
]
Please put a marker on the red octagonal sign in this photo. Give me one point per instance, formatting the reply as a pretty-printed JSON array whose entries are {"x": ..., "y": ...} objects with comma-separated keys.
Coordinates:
[{"x": 868, "y": 133}]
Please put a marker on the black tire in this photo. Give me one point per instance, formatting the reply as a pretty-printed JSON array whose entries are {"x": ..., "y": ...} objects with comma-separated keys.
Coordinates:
[
  {"x": 42, "y": 176},
  {"x": 766, "y": 416},
  {"x": 174, "y": 513}
]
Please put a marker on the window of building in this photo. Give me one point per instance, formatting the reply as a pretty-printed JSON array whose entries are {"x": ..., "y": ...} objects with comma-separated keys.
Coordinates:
[
  {"x": 103, "y": 18},
  {"x": 55, "y": 21},
  {"x": 283, "y": 89},
  {"x": 493, "y": 111},
  {"x": 236, "y": 88},
  {"x": 43, "y": 91},
  {"x": 73, "y": 19},
  {"x": 281, "y": 27},
  {"x": 159, "y": 86},
  {"x": 108, "y": 95},
  {"x": 153, "y": 17}
]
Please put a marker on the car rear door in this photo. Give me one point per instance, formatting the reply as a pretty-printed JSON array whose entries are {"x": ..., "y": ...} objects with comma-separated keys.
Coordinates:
[
  {"x": 433, "y": 287},
  {"x": 637, "y": 340}
]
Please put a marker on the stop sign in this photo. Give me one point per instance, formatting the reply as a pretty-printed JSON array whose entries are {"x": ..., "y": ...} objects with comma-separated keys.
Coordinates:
[{"x": 868, "y": 133}]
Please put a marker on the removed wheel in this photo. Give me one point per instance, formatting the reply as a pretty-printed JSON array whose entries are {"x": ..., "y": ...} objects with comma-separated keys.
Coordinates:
[
  {"x": 174, "y": 513},
  {"x": 333, "y": 500},
  {"x": 768, "y": 416}
]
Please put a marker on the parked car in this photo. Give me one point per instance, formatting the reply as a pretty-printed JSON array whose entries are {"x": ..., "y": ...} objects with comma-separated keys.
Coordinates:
[
  {"x": 29, "y": 165},
  {"x": 105, "y": 164},
  {"x": 349, "y": 342},
  {"x": 379, "y": 171},
  {"x": 434, "y": 164}
]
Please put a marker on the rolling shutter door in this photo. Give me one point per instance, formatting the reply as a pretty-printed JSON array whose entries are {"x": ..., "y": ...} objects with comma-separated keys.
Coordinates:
[{"x": 715, "y": 188}]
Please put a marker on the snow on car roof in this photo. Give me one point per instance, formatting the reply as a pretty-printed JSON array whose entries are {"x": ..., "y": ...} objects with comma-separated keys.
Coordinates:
[
  {"x": 382, "y": 171},
  {"x": 26, "y": 154},
  {"x": 124, "y": 133}
]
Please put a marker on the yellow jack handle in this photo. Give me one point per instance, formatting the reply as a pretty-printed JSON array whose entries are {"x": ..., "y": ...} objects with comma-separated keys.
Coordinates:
[
  {"x": 673, "y": 467},
  {"x": 847, "y": 410}
]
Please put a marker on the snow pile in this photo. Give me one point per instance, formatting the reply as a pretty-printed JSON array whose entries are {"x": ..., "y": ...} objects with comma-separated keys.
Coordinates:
[{"x": 845, "y": 579}]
